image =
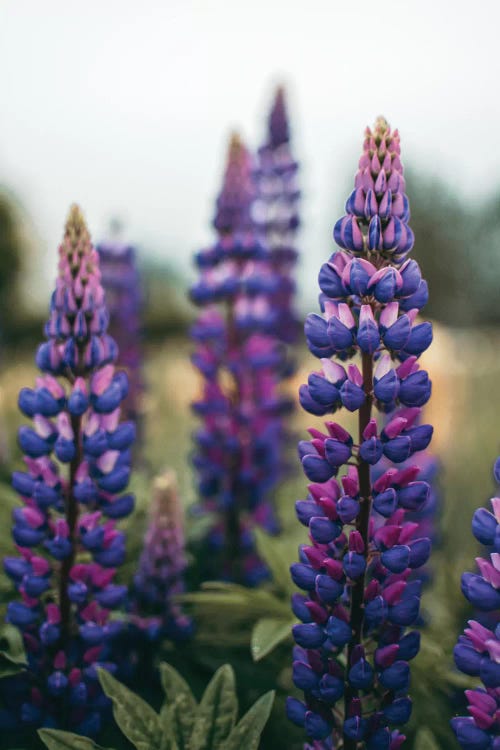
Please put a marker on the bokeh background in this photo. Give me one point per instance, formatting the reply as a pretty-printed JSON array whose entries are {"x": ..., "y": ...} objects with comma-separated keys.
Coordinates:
[{"x": 126, "y": 109}]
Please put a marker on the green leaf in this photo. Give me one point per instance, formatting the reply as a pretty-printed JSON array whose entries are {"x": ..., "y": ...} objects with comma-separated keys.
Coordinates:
[
  {"x": 237, "y": 602},
  {"x": 181, "y": 703},
  {"x": 269, "y": 550},
  {"x": 55, "y": 739},
  {"x": 267, "y": 634},
  {"x": 168, "y": 740},
  {"x": 246, "y": 734},
  {"x": 137, "y": 720},
  {"x": 217, "y": 711},
  {"x": 12, "y": 654},
  {"x": 425, "y": 740}
]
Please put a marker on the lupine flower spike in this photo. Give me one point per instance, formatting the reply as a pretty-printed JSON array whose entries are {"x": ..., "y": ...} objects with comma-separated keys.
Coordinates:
[
  {"x": 357, "y": 571},
  {"x": 160, "y": 575},
  {"x": 122, "y": 287},
  {"x": 276, "y": 212},
  {"x": 238, "y": 457},
  {"x": 77, "y": 456},
  {"x": 477, "y": 652}
]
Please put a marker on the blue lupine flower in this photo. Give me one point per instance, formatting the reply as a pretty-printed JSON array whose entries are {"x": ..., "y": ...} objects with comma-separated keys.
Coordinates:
[
  {"x": 77, "y": 397},
  {"x": 477, "y": 652},
  {"x": 239, "y": 448},
  {"x": 357, "y": 579}
]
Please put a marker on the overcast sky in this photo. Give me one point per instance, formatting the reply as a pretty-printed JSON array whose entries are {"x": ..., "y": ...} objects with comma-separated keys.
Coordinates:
[{"x": 126, "y": 106}]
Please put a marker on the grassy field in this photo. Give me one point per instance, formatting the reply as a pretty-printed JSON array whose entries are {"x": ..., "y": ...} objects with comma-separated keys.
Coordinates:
[{"x": 465, "y": 408}]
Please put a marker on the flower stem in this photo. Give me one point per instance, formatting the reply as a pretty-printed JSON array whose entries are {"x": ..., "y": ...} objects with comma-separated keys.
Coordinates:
[
  {"x": 71, "y": 512},
  {"x": 232, "y": 544},
  {"x": 362, "y": 525}
]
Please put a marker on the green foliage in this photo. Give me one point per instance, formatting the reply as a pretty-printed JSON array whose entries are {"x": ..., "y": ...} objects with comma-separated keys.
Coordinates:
[
  {"x": 12, "y": 654},
  {"x": 55, "y": 739},
  {"x": 217, "y": 712},
  {"x": 425, "y": 740},
  {"x": 137, "y": 720},
  {"x": 246, "y": 734},
  {"x": 182, "y": 723},
  {"x": 267, "y": 633},
  {"x": 180, "y": 706},
  {"x": 260, "y": 617}
]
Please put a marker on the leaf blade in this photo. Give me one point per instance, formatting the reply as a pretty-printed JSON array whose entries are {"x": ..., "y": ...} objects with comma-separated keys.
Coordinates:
[
  {"x": 269, "y": 550},
  {"x": 12, "y": 655},
  {"x": 180, "y": 705},
  {"x": 217, "y": 712},
  {"x": 136, "y": 719},
  {"x": 56, "y": 739},
  {"x": 246, "y": 734},
  {"x": 269, "y": 632}
]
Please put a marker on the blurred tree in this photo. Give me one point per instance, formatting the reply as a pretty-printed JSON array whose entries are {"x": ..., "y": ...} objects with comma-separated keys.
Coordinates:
[
  {"x": 446, "y": 249},
  {"x": 487, "y": 243},
  {"x": 167, "y": 308},
  {"x": 12, "y": 250}
]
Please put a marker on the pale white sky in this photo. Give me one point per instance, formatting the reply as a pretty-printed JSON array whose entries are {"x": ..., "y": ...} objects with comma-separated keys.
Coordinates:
[{"x": 125, "y": 106}]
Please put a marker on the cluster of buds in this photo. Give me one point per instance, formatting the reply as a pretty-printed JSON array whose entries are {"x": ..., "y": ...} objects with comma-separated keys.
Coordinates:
[
  {"x": 477, "y": 652},
  {"x": 160, "y": 574},
  {"x": 275, "y": 211},
  {"x": 122, "y": 287},
  {"x": 238, "y": 457},
  {"x": 358, "y": 571},
  {"x": 77, "y": 456}
]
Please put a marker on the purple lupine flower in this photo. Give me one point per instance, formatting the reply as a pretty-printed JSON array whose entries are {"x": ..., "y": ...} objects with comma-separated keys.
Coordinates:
[
  {"x": 426, "y": 467},
  {"x": 477, "y": 652},
  {"x": 358, "y": 571},
  {"x": 77, "y": 456},
  {"x": 239, "y": 456},
  {"x": 160, "y": 574},
  {"x": 122, "y": 286},
  {"x": 276, "y": 213}
]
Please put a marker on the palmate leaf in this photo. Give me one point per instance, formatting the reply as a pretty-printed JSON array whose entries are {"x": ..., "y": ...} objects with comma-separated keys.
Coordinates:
[
  {"x": 217, "y": 712},
  {"x": 180, "y": 707},
  {"x": 136, "y": 719},
  {"x": 268, "y": 633},
  {"x": 182, "y": 723},
  {"x": 246, "y": 734},
  {"x": 55, "y": 739},
  {"x": 12, "y": 653}
]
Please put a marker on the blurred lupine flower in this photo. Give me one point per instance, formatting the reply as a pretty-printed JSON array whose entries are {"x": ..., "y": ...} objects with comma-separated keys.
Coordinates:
[
  {"x": 276, "y": 213},
  {"x": 239, "y": 454},
  {"x": 360, "y": 591},
  {"x": 77, "y": 456},
  {"x": 160, "y": 575},
  {"x": 122, "y": 287},
  {"x": 477, "y": 652}
]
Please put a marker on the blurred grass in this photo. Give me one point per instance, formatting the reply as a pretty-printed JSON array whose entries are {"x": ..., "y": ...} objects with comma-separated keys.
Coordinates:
[{"x": 465, "y": 369}]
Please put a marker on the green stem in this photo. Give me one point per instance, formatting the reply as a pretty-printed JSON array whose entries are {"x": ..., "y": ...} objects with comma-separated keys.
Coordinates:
[
  {"x": 362, "y": 525},
  {"x": 71, "y": 512}
]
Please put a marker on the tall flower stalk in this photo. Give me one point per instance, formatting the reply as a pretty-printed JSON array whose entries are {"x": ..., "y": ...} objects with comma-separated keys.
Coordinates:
[
  {"x": 77, "y": 456},
  {"x": 357, "y": 572},
  {"x": 160, "y": 574},
  {"x": 276, "y": 213},
  {"x": 121, "y": 281},
  {"x": 238, "y": 448},
  {"x": 477, "y": 652}
]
